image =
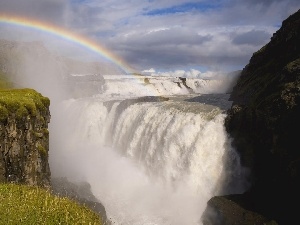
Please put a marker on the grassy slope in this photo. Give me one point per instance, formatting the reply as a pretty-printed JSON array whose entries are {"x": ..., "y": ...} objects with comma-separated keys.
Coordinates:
[{"x": 22, "y": 204}]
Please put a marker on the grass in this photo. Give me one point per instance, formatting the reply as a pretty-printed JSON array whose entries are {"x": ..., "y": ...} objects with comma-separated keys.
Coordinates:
[
  {"x": 22, "y": 204},
  {"x": 21, "y": 102}
]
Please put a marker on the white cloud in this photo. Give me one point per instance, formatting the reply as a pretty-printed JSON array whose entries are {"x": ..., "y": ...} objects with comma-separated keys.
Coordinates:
[
  {"x": 51, "y": 10},
  {"x": 222, "y": 37},
  {"x": 149, "y": 71}
]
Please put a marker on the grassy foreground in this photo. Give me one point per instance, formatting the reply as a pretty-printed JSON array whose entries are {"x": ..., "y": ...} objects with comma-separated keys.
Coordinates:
[{"x": 23, "y": 204}]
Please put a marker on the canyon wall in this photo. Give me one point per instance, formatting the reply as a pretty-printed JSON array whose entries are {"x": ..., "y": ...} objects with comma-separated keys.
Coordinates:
[
  {"x": 264, "y": 121},
  {"x": 24, "y": 137}
]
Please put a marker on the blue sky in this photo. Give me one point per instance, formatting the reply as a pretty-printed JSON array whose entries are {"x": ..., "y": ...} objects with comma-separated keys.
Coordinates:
[
  {"x": 193, "y": 7},
  {"x": 165, "y": 35}
]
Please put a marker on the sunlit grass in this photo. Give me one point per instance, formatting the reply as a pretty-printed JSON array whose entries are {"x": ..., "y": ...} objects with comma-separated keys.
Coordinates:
[
  {"x": 22, "y": 204},
  {"x": 22, "y": 102}
]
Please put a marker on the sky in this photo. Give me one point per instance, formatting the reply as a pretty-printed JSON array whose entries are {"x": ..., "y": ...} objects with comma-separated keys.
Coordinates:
[{"x": 165, "y": 35}]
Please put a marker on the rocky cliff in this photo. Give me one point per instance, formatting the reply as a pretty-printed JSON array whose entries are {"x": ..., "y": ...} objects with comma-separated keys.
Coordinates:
[
  {"x": 264, "y": 121},
  {"x": 24, "y": 137}
]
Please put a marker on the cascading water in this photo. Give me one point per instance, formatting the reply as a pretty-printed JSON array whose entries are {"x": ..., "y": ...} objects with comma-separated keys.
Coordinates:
[{"x": 148, "y": 162}]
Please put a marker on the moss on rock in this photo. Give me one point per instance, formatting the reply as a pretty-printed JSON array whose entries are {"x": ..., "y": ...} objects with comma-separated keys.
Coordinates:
[
  {"x": 24, "y": 137},
  {"x": 20, "y": 101}
]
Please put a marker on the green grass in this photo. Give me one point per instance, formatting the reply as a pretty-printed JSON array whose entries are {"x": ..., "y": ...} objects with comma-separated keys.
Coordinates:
[
  {"x": 22, "y": 204},
  {"x": 21, "y": 102}
]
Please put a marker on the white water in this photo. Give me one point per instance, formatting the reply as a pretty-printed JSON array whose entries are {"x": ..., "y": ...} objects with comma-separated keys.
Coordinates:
[
  {"x": 148, "y": 163},
  {"x": 130, "y": 86}
]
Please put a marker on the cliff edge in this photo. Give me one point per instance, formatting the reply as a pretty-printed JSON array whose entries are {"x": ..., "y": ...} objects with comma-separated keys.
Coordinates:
[
  {"x": 24, "y": 137},
  {"x": 264, "y": 121}
]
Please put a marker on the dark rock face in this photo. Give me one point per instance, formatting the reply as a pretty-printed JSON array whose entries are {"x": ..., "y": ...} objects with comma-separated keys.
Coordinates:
[
  {"x": 264, "y": 121},
  {"x": 183, "y": 80},
  {"x": 229, "y": 210},
  {"x": 24, "y": 146}
]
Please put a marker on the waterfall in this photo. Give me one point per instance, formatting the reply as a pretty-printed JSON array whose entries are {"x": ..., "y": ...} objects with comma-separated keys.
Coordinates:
[{"x": 148, "y": 162}]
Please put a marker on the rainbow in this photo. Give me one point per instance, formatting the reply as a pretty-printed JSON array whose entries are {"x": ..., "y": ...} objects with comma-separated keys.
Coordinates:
[{"x": 67, "y": 35}]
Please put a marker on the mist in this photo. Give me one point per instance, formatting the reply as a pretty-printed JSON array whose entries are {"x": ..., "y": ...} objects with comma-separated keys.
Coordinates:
[
  {"x": 31, "y": 65},
  {"x": 147, "y": 164},
  {"x": 155, "y": 181}
]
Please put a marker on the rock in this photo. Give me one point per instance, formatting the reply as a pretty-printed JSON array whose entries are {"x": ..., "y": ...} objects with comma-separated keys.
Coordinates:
[
  {"x": 183, "y": 80},
  {"x": 229, "y": 210},
  {"x": 264, "y": 122},
  {"x": 24, "y": 137}
]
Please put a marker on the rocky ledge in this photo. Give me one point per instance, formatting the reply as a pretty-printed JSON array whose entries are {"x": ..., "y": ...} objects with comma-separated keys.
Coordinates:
[{"x": 24, "y": 137}]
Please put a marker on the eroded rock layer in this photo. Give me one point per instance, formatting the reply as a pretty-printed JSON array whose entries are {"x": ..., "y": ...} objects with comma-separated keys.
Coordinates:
[{"x": 24, "y": 137}]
